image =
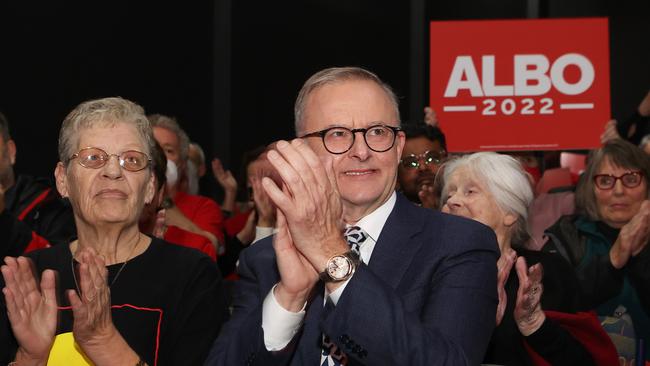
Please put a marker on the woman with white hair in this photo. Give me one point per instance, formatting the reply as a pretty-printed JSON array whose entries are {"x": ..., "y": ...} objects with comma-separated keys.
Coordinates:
[{"x": 495, "y": 190}]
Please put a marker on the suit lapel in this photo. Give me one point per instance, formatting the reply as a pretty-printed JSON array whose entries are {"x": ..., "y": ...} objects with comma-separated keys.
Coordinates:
[
  {"x": 395, "y": 250},
  {"x": 310, "y": 341},
  {"x": 390, "y": 259}
]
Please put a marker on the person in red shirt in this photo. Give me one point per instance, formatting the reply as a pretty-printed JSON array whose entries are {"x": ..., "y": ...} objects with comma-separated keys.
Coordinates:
[
  {"x": 154, "y": 218},
  {"x": 204, "y": 212}
]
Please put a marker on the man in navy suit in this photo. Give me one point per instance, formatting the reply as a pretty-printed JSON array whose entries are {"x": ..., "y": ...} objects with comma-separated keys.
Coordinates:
[{"x": 409, "y": 286}]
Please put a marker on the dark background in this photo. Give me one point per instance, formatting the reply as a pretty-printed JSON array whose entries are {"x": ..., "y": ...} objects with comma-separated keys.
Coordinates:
[{"x": 229, "y": 70}]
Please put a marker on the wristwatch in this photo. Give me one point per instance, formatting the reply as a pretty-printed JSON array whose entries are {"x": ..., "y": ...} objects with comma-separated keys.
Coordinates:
[{"x": 340, "y": 267}]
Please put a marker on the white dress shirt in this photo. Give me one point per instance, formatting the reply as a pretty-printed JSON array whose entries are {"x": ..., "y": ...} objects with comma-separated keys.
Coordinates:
[
  {"x": 262, "y": 232},
  {"x": 279, "y": 324}
]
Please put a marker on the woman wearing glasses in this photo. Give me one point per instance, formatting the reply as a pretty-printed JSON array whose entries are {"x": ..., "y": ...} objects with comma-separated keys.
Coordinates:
[
  {"x": 120, "y": 297},
  {"x": 607, "y": 242}
]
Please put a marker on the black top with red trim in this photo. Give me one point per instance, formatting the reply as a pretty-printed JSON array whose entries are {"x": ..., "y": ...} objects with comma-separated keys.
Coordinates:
[
  {"x": 35, "y": 216},
  {"x": 168, "y": 303}
]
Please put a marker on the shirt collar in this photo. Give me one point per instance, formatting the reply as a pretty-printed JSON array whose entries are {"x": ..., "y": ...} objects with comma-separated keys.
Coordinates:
[{"x": 374, "y": 222}]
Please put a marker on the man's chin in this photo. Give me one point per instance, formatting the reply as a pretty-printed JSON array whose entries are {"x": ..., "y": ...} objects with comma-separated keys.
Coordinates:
[{"x": 363, "y": 198}]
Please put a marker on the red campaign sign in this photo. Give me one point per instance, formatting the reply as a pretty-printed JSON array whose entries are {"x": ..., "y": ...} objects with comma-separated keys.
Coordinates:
[{"x": 520, "y": 84}]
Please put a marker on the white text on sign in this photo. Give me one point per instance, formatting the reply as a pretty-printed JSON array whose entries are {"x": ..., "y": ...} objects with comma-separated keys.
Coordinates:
[{"x": 531, "y": 78}]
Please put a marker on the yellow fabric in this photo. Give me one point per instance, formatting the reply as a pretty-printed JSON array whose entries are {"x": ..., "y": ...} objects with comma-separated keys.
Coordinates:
[{"x": 65, "y": 352}]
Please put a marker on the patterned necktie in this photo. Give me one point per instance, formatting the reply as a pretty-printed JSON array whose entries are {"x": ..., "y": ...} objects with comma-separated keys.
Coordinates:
[
  {"x": 332, "y": 355},
  {"x": 355, "y": 237}
]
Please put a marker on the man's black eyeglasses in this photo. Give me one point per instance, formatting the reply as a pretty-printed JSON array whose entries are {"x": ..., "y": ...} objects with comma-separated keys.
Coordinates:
[{"x": 338, "y": 140}]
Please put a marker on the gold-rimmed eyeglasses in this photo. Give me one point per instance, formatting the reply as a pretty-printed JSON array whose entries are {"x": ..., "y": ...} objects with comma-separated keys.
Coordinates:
[
  {"x": 95, "y": 158},
  {"x": 412, "y": 161}
]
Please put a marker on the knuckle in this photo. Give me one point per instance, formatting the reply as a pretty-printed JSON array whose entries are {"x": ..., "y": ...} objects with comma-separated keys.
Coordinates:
[{"x": 294, "y": 179}]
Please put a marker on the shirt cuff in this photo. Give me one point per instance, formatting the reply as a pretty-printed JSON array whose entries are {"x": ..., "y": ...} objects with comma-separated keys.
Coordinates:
[
  {"x": 336, "y": 295},
  {"x": 279, "y": 324},
  {"x": 262, "y": 232}
]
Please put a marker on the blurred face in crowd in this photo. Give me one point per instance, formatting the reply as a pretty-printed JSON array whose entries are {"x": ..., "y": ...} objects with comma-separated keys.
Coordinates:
[
  {"x": 258, "y": 169},
  {"x": 418, "y": 151},
  {"x": 170, "y": 143},
  {"x": 468, "y": 197},
  {"x": 7, "y": 160},
  {"x": 108, "y": 194},
  {"x": 365, "y": 178},
  {"x": 617, "y": 206}
]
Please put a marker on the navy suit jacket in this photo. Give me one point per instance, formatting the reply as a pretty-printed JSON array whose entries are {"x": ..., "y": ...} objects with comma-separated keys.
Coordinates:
[{"x": 427, "y": 297}]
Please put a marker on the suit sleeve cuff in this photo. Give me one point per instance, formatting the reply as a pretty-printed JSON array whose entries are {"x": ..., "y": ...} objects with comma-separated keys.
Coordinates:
[{"x": 279, "y": 324}]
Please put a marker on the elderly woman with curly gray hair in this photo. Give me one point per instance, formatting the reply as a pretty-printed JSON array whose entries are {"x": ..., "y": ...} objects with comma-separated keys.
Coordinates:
[{"x": 113, "y": 295}]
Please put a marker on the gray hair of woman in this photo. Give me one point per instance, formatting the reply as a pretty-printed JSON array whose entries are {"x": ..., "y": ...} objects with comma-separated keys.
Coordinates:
[
  {"x": 102, "y": 113},
  {"x": 507, "y": 182},
  {"x": 619, "y": 153}
]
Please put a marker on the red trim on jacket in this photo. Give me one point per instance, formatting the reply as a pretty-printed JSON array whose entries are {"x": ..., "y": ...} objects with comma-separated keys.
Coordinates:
[
  {"x": 37, "y": 241},
  {"x": 586, "y": 329}
]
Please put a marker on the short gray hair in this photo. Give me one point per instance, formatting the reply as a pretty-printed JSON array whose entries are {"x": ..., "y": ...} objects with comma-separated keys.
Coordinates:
[
  {"x": 102, "y": 113},
  {"x": 619, "y": 153},
  {"x": 170, "y": 123},
  {"x": 507, "y": 182},
  {"x": 335, "y": 75}
]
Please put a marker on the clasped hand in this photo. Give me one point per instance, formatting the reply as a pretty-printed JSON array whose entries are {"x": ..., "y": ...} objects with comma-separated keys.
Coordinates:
[
  {"x": 528, "y": 313},
  {"x": 633, "y": 237},
  {"x": 32, "y": 306},
  {"x": 309, "y": 219}
]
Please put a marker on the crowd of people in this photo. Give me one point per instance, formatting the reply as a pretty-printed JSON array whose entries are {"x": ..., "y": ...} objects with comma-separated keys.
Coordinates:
[{"x": 361, "y": 242}]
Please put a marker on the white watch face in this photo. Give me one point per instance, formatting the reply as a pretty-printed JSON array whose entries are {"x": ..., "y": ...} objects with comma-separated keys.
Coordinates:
[{"x": 339, "y": 267}]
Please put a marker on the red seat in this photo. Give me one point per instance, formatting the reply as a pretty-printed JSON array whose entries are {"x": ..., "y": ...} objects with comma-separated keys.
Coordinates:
[
  {"x": 554, "y": 178},
  {"x": 575, "y": 162}
]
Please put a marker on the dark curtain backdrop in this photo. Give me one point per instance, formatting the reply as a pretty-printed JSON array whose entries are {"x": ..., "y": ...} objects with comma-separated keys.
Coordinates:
[
  {"x": 56, "y": 54},
  {"x": 53, "y": 55}
]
